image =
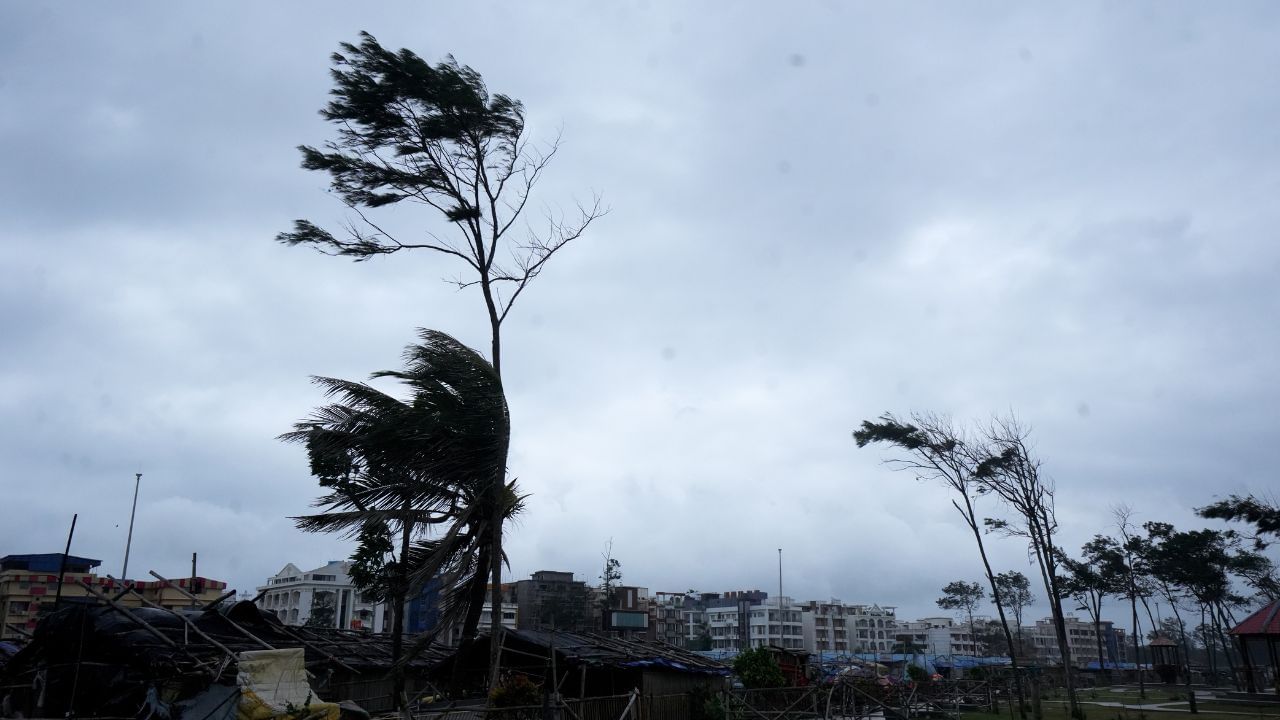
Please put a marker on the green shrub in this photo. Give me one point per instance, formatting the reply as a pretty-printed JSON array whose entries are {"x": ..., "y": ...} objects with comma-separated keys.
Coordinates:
[
  {"x": 757, "y": 669},
  {"x": 515, "y": 691}
]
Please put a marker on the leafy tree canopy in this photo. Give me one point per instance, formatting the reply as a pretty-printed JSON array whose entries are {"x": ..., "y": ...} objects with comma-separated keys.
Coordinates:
[{"x": 758, "y": 669}]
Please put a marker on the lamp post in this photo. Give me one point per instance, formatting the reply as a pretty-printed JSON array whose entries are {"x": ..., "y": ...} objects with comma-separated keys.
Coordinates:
[{"x": 124, "y": 572}]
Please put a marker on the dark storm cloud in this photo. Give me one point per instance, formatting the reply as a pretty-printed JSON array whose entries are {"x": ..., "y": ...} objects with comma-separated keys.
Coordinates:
[{"x": 1066, "y": 214}]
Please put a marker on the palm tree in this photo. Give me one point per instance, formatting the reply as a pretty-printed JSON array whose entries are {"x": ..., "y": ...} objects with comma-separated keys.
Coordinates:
[{"x": 434, "y": 460}]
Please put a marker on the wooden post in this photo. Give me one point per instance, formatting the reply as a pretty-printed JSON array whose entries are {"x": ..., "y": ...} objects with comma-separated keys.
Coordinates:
[
  {"x": 1250, "y": 684},
  {"x": 1275, "y": 662},
  {"x": 62, "y": 566}
]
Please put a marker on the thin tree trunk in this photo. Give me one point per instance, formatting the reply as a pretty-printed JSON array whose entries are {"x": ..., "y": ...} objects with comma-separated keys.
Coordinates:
[
  {"x": 499, "y": 483},
  {"x": 1042, "y": 545},
  {"x": 1186, "y": 650},
  {"x": 1137, "y": 646},
  {"x": 495, "y": 599},
  {"x": 1215, "y": 612},
  {"x": 1097, "y": 632},
  {"x": 398, "y": 602},
  {"x": 970, "y": 518}
]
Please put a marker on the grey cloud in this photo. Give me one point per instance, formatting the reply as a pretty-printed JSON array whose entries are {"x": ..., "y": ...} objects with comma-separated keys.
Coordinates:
[{"x": 1005, "y": 208}]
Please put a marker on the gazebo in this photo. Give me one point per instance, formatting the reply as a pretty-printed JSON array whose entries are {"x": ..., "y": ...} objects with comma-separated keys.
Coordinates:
[
  {"x": 1259, "y": 636},
  {"x": 1164, "y": 658}
]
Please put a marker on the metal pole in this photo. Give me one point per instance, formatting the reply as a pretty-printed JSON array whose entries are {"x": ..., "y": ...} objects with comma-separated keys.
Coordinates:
[
  {"x": 124, "y": 573},
  {"x": 62, "y": 567},
  {"x": 193, "y": 579},
  {"x": 781, "y": 641}
]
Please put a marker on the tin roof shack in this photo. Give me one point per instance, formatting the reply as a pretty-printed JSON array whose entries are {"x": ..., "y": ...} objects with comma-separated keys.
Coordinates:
[
  {"x": 586, "y": 665},
  {"x": 104, "y": 659},
  {"x": 793, "y": 663}
]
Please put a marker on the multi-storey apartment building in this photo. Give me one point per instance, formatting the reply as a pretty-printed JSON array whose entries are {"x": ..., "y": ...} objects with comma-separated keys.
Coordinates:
[
  {"x": 29, "y": 586},
  {"x": 626, "y": 613},
  {"x": 324, "y": 596},
  {"x": 744, "y": 620},
  {"x": 838, "y": 627},
  {"x": 555, "y": 600},
  {"x": 667, "y": 613},
  {"x": 940, "y": 636},
  {"x": 1082, "y": 640}
]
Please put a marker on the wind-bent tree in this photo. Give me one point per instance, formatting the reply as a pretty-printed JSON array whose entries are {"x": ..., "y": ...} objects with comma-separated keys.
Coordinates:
[
  {"x": 934, "y": 449},
  {"x": 1098, "y": 574},
  {"x": 1015, "y": 591},
  {"x": 433, "y": 136},
  {"x": 394, "y": 467},
  {"x": 1263, "y": 515},
  {"x": 961, "y": 596},
  {"x": 1012, "y": 474}
]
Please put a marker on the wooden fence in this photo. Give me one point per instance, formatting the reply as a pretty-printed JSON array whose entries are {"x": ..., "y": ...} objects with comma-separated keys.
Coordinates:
[{"x": 632, "y": 706}]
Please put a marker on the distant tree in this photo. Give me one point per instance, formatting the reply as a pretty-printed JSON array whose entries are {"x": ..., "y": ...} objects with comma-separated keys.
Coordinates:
[
  {"x": 702, "y": 642},
  {"x": 433, "y": 136},
  {"x": 905, "y": 646},
  {"x": 992, "y": 638},
  {"x": 934, "y": 449},
  {"x": 1182, "y": 566},
  {"x": 1098, "y": 574},
  {"x": 610, "y": 576},
  {"x": 965, "y": 597},
  {"x": 1263, "y": 515},
  {"x": 757, "y": 668},
  {"x": 1015, "y": 591}
]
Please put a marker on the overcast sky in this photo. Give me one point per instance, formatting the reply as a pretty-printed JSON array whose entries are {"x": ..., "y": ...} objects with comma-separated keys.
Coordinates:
[{"x": 818, "y": 215}]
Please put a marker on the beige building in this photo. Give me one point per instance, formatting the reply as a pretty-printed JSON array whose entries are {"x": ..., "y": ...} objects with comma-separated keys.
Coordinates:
[
  {"x": 29, "y": 587},
  {"x": 1082, "y": 639},
  {"x": 838, "y": 627}
]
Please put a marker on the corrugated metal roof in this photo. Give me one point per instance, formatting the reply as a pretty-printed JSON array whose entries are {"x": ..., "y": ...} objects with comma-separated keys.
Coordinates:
[
  {"x": 591, "y": 648},
  {"x": 45, "y": 562}
]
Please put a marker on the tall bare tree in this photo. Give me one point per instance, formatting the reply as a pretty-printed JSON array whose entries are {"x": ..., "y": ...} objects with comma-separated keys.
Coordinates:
[
  {"x": 934, "y": 449},
  {"x": 1135, "y": 585},
  {"x": 433, "y": 136},
  {"x": 1012, "y": 474}
]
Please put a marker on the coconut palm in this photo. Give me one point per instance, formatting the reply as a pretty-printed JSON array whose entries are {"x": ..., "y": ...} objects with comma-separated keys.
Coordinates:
[{"x": 435, "y": 460}]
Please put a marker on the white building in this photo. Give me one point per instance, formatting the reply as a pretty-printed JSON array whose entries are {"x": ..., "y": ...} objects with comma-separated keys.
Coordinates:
[
  {"x": 326, "y": 593},
  {"x": 737, "y": 623},
  {"x": 510, "y": 617},
  {"x": 941, "y": 636},
  {"x": 837, "y": 627}
]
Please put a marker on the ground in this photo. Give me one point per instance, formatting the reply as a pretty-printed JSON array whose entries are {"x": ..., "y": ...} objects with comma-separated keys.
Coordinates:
[{"x": 1123, "y": 703}]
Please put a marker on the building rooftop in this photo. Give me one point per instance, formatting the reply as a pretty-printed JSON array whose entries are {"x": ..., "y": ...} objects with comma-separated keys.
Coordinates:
[{"x": 47, "y": 562}]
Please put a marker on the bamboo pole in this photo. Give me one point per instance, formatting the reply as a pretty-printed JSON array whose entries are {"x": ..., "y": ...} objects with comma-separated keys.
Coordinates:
[
  {"x": 230, "y": 622},
  {"x": 143, "y": 623},
  {"x": 185, "y": 620}
]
